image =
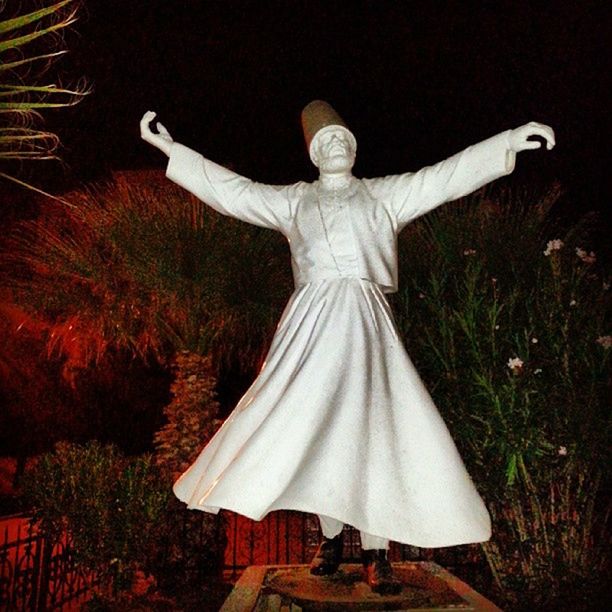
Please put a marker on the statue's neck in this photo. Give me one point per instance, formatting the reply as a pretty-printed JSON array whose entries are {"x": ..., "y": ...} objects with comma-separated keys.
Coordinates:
[{"x": 335, "y": 182}]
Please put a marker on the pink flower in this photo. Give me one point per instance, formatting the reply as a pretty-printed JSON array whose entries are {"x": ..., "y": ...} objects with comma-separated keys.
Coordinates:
[
  {"x": 515, "y": 364},
  {"x": 562, "y": 450},
  {"x": 553, "y": 245},
  {"x": 469, "y": 252},
  {"x": 605, "y": 341},
  {"x": 587, "y": 258}
]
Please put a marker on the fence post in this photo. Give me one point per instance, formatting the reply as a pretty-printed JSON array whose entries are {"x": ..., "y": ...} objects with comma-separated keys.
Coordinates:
[{"x": 46, "y": 548}]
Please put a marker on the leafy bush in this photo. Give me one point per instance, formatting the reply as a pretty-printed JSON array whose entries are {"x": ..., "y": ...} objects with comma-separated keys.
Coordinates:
[
  {"x": 505, "y": 317},
  {"x": 111, "y": 507}
]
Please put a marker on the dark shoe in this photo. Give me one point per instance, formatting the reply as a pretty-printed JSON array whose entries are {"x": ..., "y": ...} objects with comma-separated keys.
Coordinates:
[
  {"x": 379, "y": 573},
  {"x": 327, "y": 559}
]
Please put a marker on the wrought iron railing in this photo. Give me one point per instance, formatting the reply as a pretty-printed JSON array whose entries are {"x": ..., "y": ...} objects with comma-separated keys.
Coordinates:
[
  {"x": 288, "y": 537},
  {"x": 36, "y": 576}
]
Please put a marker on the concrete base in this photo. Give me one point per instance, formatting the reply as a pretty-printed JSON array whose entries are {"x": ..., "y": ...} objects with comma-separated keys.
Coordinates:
[{"x": 291, "y": 588}]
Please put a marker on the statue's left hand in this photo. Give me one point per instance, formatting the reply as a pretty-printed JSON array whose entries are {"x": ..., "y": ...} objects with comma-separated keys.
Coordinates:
[{"x": 519, "y": 138}]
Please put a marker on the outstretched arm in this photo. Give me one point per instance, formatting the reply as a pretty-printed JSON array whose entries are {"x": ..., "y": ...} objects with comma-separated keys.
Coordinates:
[
  {"x": 226, "y": 191},
  {"x": 413, "y": 194}
]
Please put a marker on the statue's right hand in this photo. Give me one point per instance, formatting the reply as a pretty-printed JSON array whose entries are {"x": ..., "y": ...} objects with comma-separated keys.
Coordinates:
[{"x": 162, "y": 140}]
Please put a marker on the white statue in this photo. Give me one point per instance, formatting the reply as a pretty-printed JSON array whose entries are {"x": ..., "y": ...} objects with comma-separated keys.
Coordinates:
[{"x": 338, "y": 422}]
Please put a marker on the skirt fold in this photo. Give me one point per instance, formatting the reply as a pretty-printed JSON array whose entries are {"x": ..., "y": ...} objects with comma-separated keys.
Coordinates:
[{"x": 339, "y": 423}]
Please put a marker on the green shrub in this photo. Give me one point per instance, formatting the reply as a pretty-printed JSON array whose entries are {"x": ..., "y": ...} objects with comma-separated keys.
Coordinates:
[
  {"x": 112, "y": 507},
  {"x": 505, "y": 318}
]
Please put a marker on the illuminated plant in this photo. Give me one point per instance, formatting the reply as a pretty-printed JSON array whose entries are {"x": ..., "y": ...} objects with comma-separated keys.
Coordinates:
[{"x": 506, "y": 316}]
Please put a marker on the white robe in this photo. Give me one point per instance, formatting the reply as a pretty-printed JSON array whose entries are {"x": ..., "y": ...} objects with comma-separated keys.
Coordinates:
[{"x": 338, "y": 422}]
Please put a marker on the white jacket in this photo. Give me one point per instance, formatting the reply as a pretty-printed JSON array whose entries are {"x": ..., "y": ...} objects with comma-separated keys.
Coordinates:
[{"x": 352, "y": 232}]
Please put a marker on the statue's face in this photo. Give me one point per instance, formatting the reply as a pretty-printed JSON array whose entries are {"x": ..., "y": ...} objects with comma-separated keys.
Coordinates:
[{"x": 333, "y": 150}]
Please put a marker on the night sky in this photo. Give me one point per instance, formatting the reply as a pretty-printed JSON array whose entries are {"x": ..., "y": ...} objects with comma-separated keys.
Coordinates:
[{"x": 415, "y": 81}]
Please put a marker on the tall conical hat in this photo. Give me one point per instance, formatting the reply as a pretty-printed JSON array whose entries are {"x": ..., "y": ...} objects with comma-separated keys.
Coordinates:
[{"x": 317, "y": 115}]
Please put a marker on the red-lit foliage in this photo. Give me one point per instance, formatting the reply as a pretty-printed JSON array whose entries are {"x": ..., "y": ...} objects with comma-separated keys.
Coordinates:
[
  {"x": 139, "y": 268},
  {"x": 36, "y": 411}
]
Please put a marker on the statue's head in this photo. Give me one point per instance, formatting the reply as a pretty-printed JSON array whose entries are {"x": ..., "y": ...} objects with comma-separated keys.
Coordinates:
[{"x": 331, "y": 145}]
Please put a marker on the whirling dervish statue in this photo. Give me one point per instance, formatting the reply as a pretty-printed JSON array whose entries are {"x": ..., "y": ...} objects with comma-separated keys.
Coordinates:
[{"x": 338, "y": 422}]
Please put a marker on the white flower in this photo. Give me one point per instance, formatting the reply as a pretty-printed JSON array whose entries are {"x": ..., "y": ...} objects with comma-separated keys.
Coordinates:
[
  {"x": 573, "y": 303},
  {"x": 537, "y": 371},
  {"x": 605, "y": 341},
  {"x": 493, "y": 280},
  {"x": 562, "y": 450},
  {"x": 515, "y": 364},
  {"x": 534, "y": 340},
  {"x": 553, "y": 245},
  {"x": 587, "y": 258},
  {"x": 497, "y": 327},
  {"x": 469, "y": 252},
  {"x": 421, "y": 296}
]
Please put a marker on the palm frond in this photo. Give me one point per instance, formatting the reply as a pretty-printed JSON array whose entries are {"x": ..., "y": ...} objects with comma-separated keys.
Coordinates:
[
  {"x": 12, "y": 66},
  {"x": 23, "y": 20},
  {"x": 149, "y": 271},
  {"x": 21, "y": 102},
  {"x": 10, "y": 90},
  {"x": 18, "y": 22}
]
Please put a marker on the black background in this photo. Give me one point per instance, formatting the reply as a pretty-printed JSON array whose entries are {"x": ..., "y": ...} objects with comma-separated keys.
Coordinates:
[{"x": 415, "y": 81}]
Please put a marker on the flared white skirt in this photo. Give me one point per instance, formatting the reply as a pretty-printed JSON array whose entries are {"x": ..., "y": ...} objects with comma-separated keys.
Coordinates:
[{"x": 339, "y": 423}]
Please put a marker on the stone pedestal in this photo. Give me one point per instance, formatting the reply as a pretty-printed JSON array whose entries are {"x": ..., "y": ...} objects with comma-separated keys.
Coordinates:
[{"x": 291, "y": 588}]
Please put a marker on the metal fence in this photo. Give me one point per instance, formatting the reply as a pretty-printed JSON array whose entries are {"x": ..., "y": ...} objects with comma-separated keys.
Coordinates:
[
  {"x": 289, "y": 537},
  {"x": 36, "y": 575}
]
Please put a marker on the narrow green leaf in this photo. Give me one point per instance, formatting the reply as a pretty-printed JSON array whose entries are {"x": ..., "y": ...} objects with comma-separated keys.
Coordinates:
[
  {"x": 22, "y": 20},
  {"x": 511, "y": 470},
  {"x": 30, "y": 60},
  {"x": 15, "y": 107},
  {"x": 35, "y": 155},
  {"x": 24, "y": 137},
  {"x": 10, "y": 89},
  {"x": 13, "y": 43},
  {"x": 36, "y": 189}
]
